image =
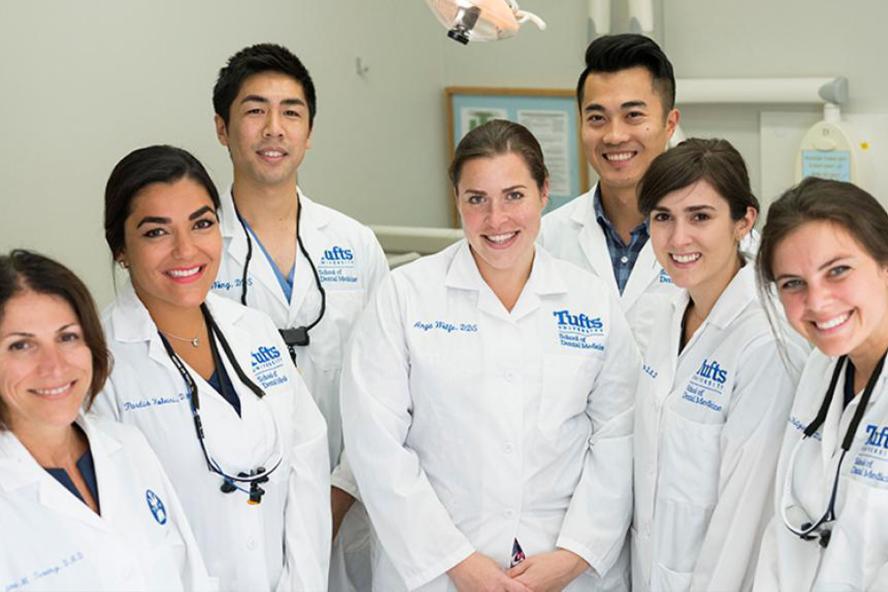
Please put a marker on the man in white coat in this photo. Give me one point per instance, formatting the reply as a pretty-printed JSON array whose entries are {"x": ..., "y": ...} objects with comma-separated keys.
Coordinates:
[
  {"x": 626, "y": 96},
  {"x": 309, "y": 267}
]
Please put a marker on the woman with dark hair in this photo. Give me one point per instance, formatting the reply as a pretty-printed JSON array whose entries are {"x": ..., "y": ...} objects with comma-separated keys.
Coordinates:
[
  {"x": 714, "y": 393},
  {"x": 824, "y": 251},
  {"x": 84, "y": 503},
  {"x": 487, "y": 399},
  {"x": 210, "y": 383}
]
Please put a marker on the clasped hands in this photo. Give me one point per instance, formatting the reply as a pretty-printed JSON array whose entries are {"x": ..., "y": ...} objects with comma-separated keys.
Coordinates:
[{"x": 546, "y": 572}]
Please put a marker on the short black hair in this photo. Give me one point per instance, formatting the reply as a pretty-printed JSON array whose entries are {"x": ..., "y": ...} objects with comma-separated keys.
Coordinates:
[
  {"x": 263, "y": 57},
  {"x": 613, "y": 53},
  {"x": 137, "y": 170}
]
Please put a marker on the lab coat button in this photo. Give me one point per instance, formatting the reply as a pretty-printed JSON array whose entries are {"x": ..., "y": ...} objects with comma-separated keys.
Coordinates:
[
  {"x": 509, "y": 375},
  {"x": 251, "y": 544},
  {"x": 510, "y": 513},
  {"x": 508, "y": 448}
]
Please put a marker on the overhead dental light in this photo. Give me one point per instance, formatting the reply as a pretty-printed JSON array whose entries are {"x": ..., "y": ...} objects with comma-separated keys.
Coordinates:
[{"x": 481, "y": 20}]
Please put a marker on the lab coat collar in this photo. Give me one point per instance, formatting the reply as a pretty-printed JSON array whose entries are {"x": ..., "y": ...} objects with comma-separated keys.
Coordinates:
[
  {"x": 739, "y": 292},
  {"x": 312, "y": 219},
  {"x": 20, "y": 470},
  {"x": 312, "y": 214},
  {"x": 591, "y": 238},
  {"x": 131, "y": 322},
  {"x": 594, "y": 246},
  {"x": 463, "y": 274}
]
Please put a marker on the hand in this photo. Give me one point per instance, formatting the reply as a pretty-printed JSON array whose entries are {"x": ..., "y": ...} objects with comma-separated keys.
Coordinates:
[
  {"x": 479, "y": 573},
  {"x": 549, "y": 572},
  {"x": 340, "y": 502}
]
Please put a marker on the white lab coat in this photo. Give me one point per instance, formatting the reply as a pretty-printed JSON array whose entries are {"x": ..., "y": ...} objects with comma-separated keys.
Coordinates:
[
  {"x": 283, "y": 543},
  {"x": 708, "y": 423},
  {"x": 469, "y": 426},
  {"x": 50, "y": 540},
  {"x": 348, "y": 283},
  {"x": 572, "y": 233},
  {"x": 857, "y": 555}
]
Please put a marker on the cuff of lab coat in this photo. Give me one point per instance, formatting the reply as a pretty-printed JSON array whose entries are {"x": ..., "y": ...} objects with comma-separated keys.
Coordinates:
[
  {"x": 583, "y": 551},
  {"x": 440, "y": 568},
  {"x": 343, "y": 478}
]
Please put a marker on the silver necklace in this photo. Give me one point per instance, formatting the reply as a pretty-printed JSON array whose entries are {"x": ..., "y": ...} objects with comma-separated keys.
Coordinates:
[{"x": 194, "y": 341}]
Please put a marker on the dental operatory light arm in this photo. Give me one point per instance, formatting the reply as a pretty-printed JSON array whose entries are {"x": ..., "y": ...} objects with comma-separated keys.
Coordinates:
[{"x": 482, "y": 20}]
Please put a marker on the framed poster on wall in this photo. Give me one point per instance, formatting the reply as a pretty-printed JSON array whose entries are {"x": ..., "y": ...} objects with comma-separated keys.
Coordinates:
[{"x": 550, "y": 114}]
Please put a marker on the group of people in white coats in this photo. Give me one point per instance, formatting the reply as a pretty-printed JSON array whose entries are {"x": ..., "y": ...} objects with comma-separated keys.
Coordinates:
[{"x": 607, "y": 398}]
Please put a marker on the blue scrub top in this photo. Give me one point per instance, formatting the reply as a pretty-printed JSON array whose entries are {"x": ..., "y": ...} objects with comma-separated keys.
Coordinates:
[
  {"x": 87, "y": 470},
  {"x": 285, "y": 281}
]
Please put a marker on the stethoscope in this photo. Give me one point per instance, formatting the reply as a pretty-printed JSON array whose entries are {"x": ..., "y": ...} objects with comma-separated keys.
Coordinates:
[
  {"x": 254, "y": 478},
  {"x": 292, "y": 336},
  {"x": 821, "y": 529}
]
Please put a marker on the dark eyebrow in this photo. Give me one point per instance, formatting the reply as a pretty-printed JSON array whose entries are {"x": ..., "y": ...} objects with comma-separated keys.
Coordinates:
[
  {"x": 513, "y": 188},
  {"x": 624, "y": 106},
  {"x": 200, "y": 212},
  {"x": 475, "y": 191},
  {"x": 153, "y": 220},
  {"x": 24, "y": 334},
  {"x": 633, "y": 105},
  {"x": 254, "y": 99},
  {"x": 261, "y": 99}
]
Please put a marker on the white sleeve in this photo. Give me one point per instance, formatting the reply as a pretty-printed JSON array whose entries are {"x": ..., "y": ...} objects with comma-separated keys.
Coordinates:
[
  {"x": 600, "y": 510},
  {"x": 413, "y": 526},
  {"x": 377, "y": 271},
  {"x": 377, "y": 268},
  {"x": 307, "y": 519},
  {"x": 750, "y": 446},
  {"x": 343, "y": 478}
]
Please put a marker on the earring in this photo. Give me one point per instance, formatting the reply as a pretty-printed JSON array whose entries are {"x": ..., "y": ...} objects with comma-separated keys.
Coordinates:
[{"x": 123, "y": 264}]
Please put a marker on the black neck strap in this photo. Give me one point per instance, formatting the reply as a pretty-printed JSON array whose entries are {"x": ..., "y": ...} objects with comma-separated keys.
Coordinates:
[
  {"x": 861, "y": 406},
  {"x": 296, "y": 335}
]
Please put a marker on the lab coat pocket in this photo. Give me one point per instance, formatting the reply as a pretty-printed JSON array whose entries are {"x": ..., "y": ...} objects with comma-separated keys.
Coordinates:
[
  {"x": 568, "y": 380},
  {"x": 687, "y": 490},
  {"x": 858, "y": 548},
  {"x": 664, "y": 579}
]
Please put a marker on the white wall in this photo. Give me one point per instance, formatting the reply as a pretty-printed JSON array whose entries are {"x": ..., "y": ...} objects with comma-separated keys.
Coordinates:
[
  {"x": 767, "y": 38},
  {"x": 85, "y": 82}
]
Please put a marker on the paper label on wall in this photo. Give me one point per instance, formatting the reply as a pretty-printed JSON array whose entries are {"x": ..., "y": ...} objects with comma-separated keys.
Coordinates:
[
  {"x": 472, "y": 117},
  {"x": 552, "y": 131},
  {"x": 827, "y": 164}
]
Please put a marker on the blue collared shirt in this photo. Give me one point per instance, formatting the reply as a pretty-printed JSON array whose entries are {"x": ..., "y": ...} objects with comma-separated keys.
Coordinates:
[{"x": 623, "y": 256}]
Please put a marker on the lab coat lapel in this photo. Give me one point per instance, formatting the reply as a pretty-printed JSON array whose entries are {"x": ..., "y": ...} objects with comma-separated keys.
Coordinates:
[
  {"x": 543, "y": 281},
  {"x": 593, "y": 243},
  {"x": 463, "y": 274},
  {"x": 646, "y": 270},
  {"x": 131, "y": 323},
  {"x": 259, "y": 266},
  {"x": 305, "y": 291},
  {"x": 668, "y": 375},
  {"x": 232, "y": 233},
  {"x": 104, "y": 450},
  {"x": 21, "y": 470}
]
